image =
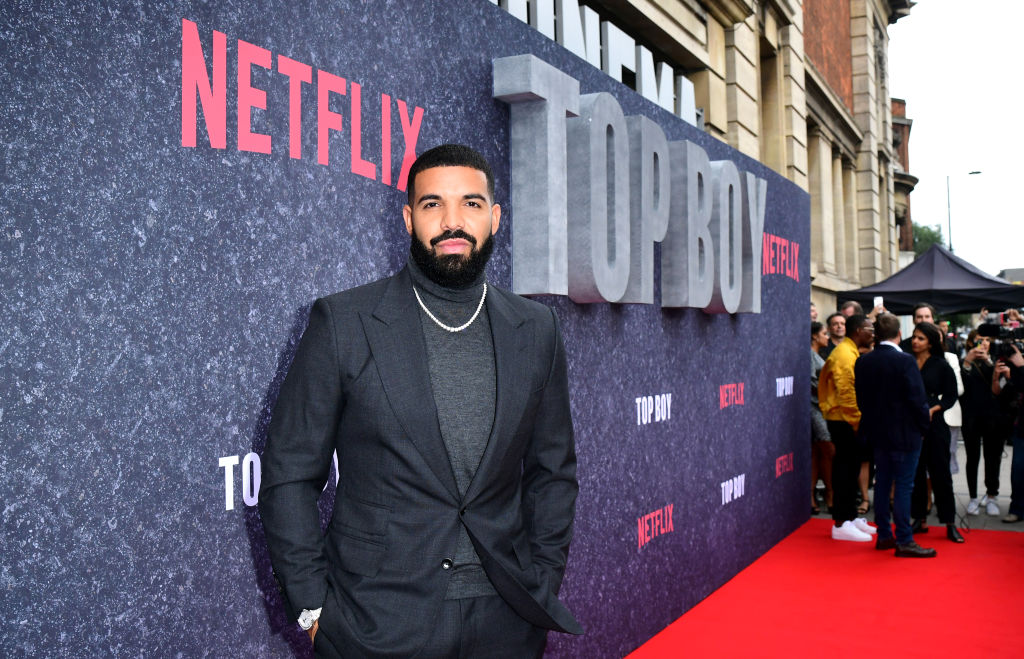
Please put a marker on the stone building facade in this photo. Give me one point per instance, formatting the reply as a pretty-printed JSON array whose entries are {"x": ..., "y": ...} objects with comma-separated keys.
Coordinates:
[
  {"x": 903, "y": 180},
  {"x": 801, "y": 85}
]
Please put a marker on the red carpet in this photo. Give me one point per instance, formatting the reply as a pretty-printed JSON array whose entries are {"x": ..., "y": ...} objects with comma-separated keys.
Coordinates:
[{"x": 811, "y": 596}]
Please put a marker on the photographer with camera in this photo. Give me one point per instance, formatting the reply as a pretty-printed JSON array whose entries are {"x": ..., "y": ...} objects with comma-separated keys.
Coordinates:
[
  {"x": 1009, "y": 373},
  {"x": 983, "y": 424},
  {"x": 1006, "y": 385}
]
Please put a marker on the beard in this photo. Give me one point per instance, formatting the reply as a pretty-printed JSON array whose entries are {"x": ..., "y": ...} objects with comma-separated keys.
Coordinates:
[{"x": 451, "y": 270}]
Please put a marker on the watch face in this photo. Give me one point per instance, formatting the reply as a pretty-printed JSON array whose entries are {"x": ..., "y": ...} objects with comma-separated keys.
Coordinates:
[{"x": 307, "y": 617}]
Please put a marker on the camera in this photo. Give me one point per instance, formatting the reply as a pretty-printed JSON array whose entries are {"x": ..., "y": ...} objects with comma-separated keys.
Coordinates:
[{"x": 1003, "y": 339}]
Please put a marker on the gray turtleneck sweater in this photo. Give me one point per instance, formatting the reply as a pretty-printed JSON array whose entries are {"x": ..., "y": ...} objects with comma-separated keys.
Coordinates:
[{"x": 462, "y": 380}]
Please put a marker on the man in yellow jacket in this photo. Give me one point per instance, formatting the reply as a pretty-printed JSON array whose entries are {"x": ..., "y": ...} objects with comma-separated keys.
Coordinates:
[{"x": 837, "y": 398}]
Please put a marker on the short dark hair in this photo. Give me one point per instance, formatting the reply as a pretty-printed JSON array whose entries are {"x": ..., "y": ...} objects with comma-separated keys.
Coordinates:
[
  {"x": 932, "y": 332},
  {"x": 925, "y": 305},
  {"x": 450, "y": 155},
  {"x": 834, "y": 315},
  {"x": 815, "y": 328},
  {"x": 855, "y": 322},
  {"x": 887, "y": 327},
  {"x": 852, "y": 303}
]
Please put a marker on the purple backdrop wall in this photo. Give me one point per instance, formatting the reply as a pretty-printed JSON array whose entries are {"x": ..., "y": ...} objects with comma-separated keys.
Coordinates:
[{"x": 152, "y": 294}]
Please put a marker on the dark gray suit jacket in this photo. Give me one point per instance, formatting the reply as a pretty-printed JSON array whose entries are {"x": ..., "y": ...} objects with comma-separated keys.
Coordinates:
[
  {"x": 891, "y": 398},
  {"x": 360, "y": 385}
]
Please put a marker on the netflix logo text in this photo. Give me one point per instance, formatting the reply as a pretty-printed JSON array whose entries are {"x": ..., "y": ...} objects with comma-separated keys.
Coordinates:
[
  {"x": 653, "y": 524},
  {"x": 780, "y": 256},
  {"x": 730, "y": 394},
  {"x": 210, "y": 85},
  {"x": 783, "y": 464}
]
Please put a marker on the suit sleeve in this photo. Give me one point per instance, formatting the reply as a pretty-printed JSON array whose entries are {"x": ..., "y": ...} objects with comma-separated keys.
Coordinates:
[
  {"x": 549, "y": 473},
  {"x": 296, "y": 464}
]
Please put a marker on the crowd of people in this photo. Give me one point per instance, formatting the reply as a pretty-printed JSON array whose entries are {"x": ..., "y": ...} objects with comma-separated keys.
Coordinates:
[{"x": 897, "y": 407}]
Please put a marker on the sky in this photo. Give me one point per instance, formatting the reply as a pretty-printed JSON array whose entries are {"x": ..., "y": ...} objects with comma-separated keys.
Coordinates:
[{"x": 958, "y": 66}]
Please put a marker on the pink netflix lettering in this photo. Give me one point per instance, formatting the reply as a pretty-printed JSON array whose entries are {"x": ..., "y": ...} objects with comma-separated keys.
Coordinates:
[
  {"x": 250, "y": 97},
  {"x": 298, "y": 74},
  {"x": 783, "y": 464},
  {"x": 326, "y": 120},
  {"x": 204, "y": 86},
  {"x": 780, "y": 256},
  {"x": 196, "y": 80}
]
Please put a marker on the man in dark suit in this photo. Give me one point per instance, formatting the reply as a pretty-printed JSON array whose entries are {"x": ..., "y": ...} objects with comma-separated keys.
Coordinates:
[
  {"x": 447, "y": 402},
  {"x": 894, "y": 416}
]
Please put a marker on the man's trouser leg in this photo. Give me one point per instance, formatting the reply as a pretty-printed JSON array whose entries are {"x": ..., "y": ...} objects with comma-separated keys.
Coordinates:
[{"x": 845, "y": 470}]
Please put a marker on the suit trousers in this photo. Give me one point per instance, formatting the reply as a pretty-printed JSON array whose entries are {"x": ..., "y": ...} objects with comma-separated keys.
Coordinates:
[
  {"x": 894, "y": 467},
  {"x": 934, "y": 458},
  {"x": 470, "y": 628},
  {"x": 845, "y": 471}
]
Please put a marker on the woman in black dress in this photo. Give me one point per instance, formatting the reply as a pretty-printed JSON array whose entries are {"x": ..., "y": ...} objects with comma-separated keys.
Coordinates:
[{"x": 940, "y": 386}]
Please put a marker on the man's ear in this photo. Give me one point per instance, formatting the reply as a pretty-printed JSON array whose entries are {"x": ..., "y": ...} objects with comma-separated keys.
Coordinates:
[
  {"x": 495, "y": 218},
  {"x": 407, "y": 214}
]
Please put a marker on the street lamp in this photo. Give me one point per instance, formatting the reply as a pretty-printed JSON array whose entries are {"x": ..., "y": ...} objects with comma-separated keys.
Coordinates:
[{"x": 949, "y": 216}]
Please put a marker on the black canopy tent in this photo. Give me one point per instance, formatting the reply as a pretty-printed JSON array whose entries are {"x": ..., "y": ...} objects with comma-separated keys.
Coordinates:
[{"x": 945, "y": 281}]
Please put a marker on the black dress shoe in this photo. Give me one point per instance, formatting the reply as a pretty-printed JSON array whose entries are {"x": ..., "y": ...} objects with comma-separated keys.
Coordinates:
[
  {"x": 885, "y": 543},
  {"x": 918, "y": 527},
  {"x": 953, "y": 534},
  {"x": 914, "y": 550}
]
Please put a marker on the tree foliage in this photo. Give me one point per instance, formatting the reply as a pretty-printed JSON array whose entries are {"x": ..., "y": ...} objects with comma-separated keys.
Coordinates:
[{"x": 925, "y": 237}]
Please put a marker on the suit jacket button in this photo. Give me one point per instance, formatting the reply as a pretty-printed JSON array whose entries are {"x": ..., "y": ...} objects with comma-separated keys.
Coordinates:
[{"x": 446, "y": 564}]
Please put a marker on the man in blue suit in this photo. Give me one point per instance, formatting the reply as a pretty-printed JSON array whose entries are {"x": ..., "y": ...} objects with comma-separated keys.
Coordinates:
[{"x": 894, "y": 416}]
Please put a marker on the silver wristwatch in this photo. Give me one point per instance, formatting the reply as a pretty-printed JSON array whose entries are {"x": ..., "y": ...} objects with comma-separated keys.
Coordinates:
[{"x": 307, "y": 617}]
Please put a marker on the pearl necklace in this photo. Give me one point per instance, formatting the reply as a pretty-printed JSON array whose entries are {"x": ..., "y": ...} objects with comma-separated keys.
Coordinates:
[{"x": 448, "y": 327}]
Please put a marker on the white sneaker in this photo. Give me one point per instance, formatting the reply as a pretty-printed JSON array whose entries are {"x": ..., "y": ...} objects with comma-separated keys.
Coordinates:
[
  {"x": 849, "y": 531},
  {"x": 862, "y": 525},
  {"x": 991, "y": 507},
  {"x": 973, "y": 507},
  {"x": 984, "y": 499}
]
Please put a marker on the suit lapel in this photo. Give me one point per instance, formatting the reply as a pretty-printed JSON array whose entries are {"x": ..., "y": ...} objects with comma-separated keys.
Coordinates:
[
  {"x": 400, "y": 353},
  {"x": 512, "y": 336}
]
